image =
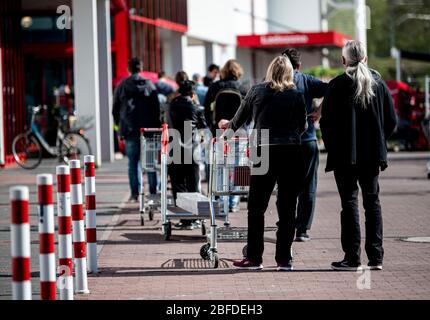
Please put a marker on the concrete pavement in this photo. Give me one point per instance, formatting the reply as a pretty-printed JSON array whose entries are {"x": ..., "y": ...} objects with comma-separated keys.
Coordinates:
[{"x": 136, "y": 263}]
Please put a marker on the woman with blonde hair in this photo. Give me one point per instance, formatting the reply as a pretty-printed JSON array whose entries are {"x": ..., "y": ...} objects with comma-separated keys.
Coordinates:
[
  {"x": 274, "y": 105},
  {"x": 222, "y": 101}
]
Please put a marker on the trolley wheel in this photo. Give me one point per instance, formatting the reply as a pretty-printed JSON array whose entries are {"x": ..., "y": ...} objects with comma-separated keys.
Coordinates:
[
  {"x": 151, "y": 214},
  {"x": 245, "y": 250},
  {"x": 167, "y": 231},
  {"x": 142, "y": 220},
  {"x": 203, "y": 229},
  {"x": 215, "y": 260},
  {"x": 204, "y": 251}
]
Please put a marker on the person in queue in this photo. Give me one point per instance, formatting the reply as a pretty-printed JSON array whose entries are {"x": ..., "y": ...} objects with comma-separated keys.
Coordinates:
[
  {"x": 135, "y": 106},
  {"x": 357, "y": 118},
  {"x": 183, "y": 111},
  {"x": 222, "y": 101},
  {"x": 278, "y": 106},
  {"x": 312, "y": 88}
]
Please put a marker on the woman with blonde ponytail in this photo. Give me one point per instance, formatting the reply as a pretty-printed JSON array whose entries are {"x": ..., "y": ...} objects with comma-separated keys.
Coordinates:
[{"x": 357, "y": 118}]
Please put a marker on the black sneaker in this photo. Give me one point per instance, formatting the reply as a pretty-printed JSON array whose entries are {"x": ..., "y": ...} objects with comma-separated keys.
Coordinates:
[
  {"x": 285, "y": 266},
  {"x": 345, "y": 265},
  {"x": 302, "y": 237},
  {"x": 375, "y": 266}
]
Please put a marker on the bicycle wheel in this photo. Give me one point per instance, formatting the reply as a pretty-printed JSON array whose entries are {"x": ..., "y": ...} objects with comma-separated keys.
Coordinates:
[
  {"x": 74, "y": 147},
  {"x": 27, "y": 151}
]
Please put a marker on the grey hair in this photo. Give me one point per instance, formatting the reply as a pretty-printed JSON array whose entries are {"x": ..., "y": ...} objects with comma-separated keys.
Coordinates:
[{"x": 354, "y": 54}]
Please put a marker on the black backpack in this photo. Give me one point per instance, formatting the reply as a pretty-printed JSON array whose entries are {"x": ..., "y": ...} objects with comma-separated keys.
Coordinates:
[
  {"x": 226, "y": 103},
  {"x": 141, "y": 110}
]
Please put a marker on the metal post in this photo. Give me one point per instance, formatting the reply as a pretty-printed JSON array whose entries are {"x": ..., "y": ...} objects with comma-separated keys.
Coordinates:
[
  {"x": 360, "y": 21},
  {"x": 427, "y": 96}
]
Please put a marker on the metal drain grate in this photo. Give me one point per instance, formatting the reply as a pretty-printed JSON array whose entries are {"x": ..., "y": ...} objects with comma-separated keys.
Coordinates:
[{"x": 417, "y": 239}]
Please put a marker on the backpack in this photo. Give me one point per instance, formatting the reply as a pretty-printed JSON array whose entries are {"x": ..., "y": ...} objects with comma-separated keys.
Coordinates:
[
  {"x": 139, "y": 110},
  {"x": 226, "y": 103}
]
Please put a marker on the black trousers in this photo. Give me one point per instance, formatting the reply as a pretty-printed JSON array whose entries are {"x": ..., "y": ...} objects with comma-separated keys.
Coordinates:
[
  {"x": 346, "y": 180},
  {"x": 184, "y": 178},
  {"x": 285, "y": 168}
]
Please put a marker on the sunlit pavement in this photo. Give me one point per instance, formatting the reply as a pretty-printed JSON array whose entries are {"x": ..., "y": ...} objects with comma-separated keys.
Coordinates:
[{"x": 136, "y": 263}]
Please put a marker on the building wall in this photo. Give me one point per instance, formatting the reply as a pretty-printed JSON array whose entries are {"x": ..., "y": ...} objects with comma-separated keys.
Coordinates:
[
  {"x": 287, "y": 16},
  {"x": 215, "y": 24}
]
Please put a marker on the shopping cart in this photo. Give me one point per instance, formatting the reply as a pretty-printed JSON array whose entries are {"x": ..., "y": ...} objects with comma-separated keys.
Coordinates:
[
  {"x": 150, "y": 151},
  {"x": 229, "y": 175},
  {"x": 169, "y": 212}
]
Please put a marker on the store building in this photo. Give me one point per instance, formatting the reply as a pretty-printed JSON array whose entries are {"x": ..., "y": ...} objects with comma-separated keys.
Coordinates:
[{"x": 44, "y": 64}]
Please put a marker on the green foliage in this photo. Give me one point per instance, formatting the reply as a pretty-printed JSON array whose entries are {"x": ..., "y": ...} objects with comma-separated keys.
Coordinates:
[{"x": 321, "y": 72}]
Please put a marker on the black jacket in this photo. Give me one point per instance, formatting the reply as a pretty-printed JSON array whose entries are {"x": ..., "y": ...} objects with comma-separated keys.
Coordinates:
[
  {"x": 182, "y": 109},
  {"x": 213, "y": 91},
  {"x": 354, "y": 135},
  {"x": 136, "y": 106},
  {"x": 282, "y": 112}
]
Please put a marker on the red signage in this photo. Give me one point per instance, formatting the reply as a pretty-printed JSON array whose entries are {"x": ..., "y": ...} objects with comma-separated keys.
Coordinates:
[{"x": 273, "y": 40}]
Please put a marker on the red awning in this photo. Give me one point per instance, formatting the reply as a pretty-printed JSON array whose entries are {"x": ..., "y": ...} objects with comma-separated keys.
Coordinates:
[{"x": 296, "y": 39}]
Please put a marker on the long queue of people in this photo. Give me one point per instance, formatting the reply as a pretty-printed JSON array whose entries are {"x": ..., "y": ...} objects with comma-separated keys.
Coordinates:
[{"x": 356, "y": 117}]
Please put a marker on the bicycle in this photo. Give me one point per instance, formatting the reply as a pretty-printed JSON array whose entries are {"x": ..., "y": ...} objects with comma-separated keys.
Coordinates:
[{"x": 28, "y": 147}]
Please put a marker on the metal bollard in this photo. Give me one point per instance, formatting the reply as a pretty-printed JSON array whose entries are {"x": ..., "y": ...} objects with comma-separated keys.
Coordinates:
[
  {"x": 65, "y": 251},
  {"x": 90, "y": 213},
  {"x": 20, "y": 241},
  {"x": 46, "y": 237},
  {"x": 78, "y": 231}
]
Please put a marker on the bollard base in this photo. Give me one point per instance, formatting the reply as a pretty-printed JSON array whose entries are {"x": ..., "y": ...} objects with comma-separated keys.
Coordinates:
[{"x": 82, "y": 292}]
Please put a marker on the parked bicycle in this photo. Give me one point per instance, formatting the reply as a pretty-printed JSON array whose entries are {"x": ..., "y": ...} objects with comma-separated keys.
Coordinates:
[{"x": 28, "y": 147}]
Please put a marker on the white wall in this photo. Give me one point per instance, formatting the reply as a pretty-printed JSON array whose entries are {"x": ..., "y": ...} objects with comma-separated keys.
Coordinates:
[
  {"x": 301, "y": 15},
  {"x": 219, "y": 22}
]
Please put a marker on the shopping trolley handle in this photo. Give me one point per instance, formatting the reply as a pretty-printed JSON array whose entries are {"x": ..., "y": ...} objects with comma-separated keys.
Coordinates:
[
  {"x": 164, "y": 138},
  {"x": 144, "y": 130}
]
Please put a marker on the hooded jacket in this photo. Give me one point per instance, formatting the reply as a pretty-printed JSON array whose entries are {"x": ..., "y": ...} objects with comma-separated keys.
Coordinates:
[{"x": 136, "y": 106}]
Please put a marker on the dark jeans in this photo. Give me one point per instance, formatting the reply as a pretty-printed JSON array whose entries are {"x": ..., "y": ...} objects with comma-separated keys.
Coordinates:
[
  {"x": 286, "y": 169},
  {"x": 184, "y": 178},
  {"x": 132, "y": 149},
  {"x": 346, "y": 180},
  {"x": 306, "y": 204}
]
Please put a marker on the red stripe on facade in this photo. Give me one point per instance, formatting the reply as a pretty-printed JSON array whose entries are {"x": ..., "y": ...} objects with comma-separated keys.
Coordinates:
[
  {"x": 77, "y": 212},
  {"x": 63, "y": 183},
  {"x": 92, "y": 235},
  {"x": 64, "y": 225},
  {"x": 90, "y": 202},
  {"x": 20, "y": 269},
  {"x": 161, "y": 23},
  {"x": 79, "y": 249},
  {"x": 46, "y": 243},
  {"x": 19, "y": 211},
  {"x": 89, "y": 169},
  {"x": 48, "y": 290},
  {"x": 75, "y": 175},
  {"x": 44, "y": 194}
]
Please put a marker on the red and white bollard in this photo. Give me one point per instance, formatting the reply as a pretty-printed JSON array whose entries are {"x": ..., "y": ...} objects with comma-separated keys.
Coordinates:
[
  {"x": 45, "y": 212},
  {"x": 20, "y": 240},
  {"x": 65, "y": 251},
  {"x": 78, "y": 230},
  {"x": 90, "y": 213}
]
